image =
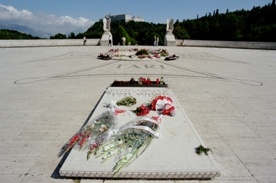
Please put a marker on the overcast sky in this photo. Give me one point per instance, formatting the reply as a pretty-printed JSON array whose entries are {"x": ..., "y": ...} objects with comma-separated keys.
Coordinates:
[{"x": 57, "y": 16}]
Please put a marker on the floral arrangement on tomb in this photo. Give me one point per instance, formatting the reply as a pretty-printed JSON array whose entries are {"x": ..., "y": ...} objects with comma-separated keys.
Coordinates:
[
  {"x": 141, "y": 82},
  {"x": 104, "y": 56},
  {"x": 142, "y": 110},
  {"x": 162, "y": 104},
  {"x": 135, "y": 136},
  {"x": 101, "y": 138},
  {"x": 142, "y": 53},
  {"x": 131, "y": 141},
  {"x": 171, "y": 57},
  {"x": 137, "y": 54},
  {"x": 95, "y": 131},
  {"x": 127, "y": 101}
]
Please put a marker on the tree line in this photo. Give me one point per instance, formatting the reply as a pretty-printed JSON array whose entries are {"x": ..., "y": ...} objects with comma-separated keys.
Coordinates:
[
  {"x": 257, "y": 24},
  {"x": 13, "y": 34}
]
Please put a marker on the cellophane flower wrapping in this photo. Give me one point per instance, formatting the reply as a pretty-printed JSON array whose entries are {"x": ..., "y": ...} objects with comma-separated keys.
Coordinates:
[
  {"x": 129, "y": 142},
  {"x": 96, "y": 131}
]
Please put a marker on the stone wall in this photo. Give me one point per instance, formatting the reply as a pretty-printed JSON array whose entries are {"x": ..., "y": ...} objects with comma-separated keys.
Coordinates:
[
  {"x": 226, "y": 44},
  {"x": 96, "y": 42},
  {"x": 47, "y": 42}
]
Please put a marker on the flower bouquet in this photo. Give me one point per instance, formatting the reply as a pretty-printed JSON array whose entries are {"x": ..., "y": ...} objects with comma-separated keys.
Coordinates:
[
  {"x": 95, "y": 131},
  {"x": 142, "y": 110},
  {"x": 129, "y": 142},
  {"x": 127, "y": 101},
  {"x": 171, "y": 57},
  {"x": 141, "y": 82},
  {"x": 137, "y": 54},
  {"x": 104, "y": 56},
  {"x": 163, "y": 105}
]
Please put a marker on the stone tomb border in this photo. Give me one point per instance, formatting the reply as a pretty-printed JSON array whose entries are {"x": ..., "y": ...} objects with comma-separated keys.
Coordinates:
[{"x": 171, "y": 156}]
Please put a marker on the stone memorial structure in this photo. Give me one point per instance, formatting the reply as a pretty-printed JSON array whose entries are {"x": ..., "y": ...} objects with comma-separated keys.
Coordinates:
[
  {"x": 171, "y": 155},
  {"x": 107, "y": 36},
  {"x": 169, "y": 39}
]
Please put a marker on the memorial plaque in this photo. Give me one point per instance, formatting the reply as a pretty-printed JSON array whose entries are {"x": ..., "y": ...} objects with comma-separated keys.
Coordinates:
[{"x": 171, "y": 156}]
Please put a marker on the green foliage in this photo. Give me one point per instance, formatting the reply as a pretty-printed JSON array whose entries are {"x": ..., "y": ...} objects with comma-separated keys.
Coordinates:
[
  {"x": 142, "y": 52},
  {"x": 141, "y": 33},
  {"x": 200, "y": 149},
  {"x": 121, "y": 29},
  {"x": 59, "y": 36},
  {"x": 72, "y": 35},
  {"x": 257, "y": 24},
  {"x": 95, "y": 31},
  {"x": 13, "y": 34},
  {"x": 179, "y": 31},
  {"x": 123, "y": 33}
]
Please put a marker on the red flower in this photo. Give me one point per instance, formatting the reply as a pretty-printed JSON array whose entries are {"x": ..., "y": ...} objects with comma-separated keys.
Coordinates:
[
  {"x": 169, "y": 110},
  {"x": 119, "y": 111},
  {"x": 73, "y": 141},
  {"x": 157, "y": 118},
  {"x": 93, "y": 148},
  {"x": 142, "y": 80},
  {"x": 157, "y": 81},
  {"x": 154, "y": 101},
  {"x": 166, "y": 107},
  {"x": 148, "y": 82},
  {"x": 142, "y": 110},
  {"x": 83, "y": 140}
]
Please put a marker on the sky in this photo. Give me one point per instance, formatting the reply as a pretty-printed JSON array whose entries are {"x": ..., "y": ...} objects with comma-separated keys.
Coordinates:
[{"x": 65, "y": 16}]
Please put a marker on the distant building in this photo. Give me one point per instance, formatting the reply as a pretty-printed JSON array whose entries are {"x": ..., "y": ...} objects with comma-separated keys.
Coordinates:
[{"x": 125, "y": 18}]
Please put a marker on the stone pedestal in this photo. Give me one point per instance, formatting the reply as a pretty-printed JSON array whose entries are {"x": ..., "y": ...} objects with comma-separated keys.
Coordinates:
[
  {"x": 105, "y": 38},
  {"x": 169, "y": 39}
]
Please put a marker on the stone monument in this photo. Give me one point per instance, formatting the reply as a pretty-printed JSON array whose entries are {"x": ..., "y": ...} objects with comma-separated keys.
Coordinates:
[
  {"x": 155, "y": 141},
  {"x": 169, "y": 39},
  {"x": 107, "y": 36}
]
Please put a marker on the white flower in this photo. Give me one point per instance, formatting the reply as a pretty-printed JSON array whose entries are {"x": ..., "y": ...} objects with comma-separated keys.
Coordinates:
[{"x": 103, "y": 128}]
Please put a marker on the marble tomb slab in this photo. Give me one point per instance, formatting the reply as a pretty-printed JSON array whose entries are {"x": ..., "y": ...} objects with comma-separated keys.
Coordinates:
[{"x": 171, "y": 156}]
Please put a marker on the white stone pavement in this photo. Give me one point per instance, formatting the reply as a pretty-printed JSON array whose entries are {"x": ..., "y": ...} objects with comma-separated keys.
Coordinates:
[{"x": 47, "y": 93}]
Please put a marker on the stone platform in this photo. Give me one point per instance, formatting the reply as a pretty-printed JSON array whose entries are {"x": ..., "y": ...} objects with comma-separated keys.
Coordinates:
[
  {"x": 47, "y": 93},
  {"x": 171, "y": 156}
]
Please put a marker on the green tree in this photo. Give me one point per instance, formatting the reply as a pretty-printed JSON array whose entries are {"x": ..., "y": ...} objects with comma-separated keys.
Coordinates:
[
  {"x": 95, "y": 31},
  {"x": 179, "y": 31},
  {"x": 13, "y": 34},
  {"x": 123, "y": 33},
  {"x": 72, "y": 35},
  {"x": 58, "y": 36},
  {"x": 257, "y": 24}
]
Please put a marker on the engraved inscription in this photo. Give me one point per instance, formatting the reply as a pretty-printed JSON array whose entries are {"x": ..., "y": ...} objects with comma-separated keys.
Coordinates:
[
  {"x": 127, "y": 66},
  {"x": 136, "y": 92}
]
